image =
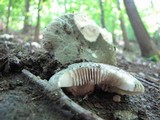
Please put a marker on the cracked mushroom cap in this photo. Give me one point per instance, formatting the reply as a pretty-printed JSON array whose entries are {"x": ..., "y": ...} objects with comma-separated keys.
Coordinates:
[
  {"x": 108, "y": 77},
  {"x": 88, "y": 28},
  {"x": 107, "y": 36}
]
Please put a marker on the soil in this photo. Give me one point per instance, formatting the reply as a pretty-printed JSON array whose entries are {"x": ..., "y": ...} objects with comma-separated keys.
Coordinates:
[{"x": 22, "y": 100}]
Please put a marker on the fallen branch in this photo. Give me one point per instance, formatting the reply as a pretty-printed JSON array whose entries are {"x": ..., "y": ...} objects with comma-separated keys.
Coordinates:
[{"x": 57, "y": 95}]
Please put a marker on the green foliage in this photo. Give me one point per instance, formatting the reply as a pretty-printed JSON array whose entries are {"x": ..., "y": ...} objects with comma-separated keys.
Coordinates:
[
  {"x": 155, "y": 58},
  {"x": 53, "y": 8},
  {"x": 156, "y": 36},
  {"x": 130, "y": 32},
  {"x": 3, "y": 9}
]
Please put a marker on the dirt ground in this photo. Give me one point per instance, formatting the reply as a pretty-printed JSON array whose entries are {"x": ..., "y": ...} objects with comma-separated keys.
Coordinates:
[
  {"x": 22, "y": 100},
  {"x": 19, "y": 100}
]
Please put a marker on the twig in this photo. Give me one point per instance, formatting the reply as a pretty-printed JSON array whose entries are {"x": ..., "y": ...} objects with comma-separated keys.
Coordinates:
[
  {"x": 58, "y": 96},
  {"x": 37, "y": 97},
  {"x": 149, "y": 82}
]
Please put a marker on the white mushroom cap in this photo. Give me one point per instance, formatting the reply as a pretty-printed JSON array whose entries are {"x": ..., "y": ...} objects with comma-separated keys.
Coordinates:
[
  {"x": 87, "y": 27},
  {"x": 108, "y": 77},
  {"x": 90, "y": 30},
  {"x": 107, "y": 36}
]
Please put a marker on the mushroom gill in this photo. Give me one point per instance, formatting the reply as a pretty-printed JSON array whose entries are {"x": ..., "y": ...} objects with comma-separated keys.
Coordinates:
[{"x": 107, "y": 77}]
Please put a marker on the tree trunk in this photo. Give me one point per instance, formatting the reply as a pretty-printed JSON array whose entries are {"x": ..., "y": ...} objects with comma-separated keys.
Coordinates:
[
  {"x": 158, "y": 29},
  {"x": 124, "y": 32},
  {"x": 114, "y": 38},
  {"x": 37, "y": 28},
  {"x": 65, "y": 6},
  {"x": 102, "y": 14},
  {"x": 113, "y": 34},
  {"x": 26, "y": 22},
  {"x": 8, "y": 14},
  {"x": 146, "y": 45}
]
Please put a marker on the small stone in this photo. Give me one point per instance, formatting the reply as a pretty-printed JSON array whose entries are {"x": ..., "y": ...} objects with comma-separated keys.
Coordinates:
[
  {"x": 117, "y": 98},
  {"x": 141, "y": 74},
  {"x": 156, "y": 75}
]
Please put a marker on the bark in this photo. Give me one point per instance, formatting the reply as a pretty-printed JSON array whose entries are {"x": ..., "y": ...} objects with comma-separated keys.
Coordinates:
[
  {"x": 147, "y": 46},
  {"x": 26, "y": 22},
  {"x": 102, "y": 14},
  {"x": 37, "y": 28},
  {"x": 8, "y": 14},
  {"x": 158, "y": 30},
  {"x": 113, "y": 34},
  {"x": 1, "y": 27},
  {"x": 124, "y": 32},
  {"x": 114, "y": 39},
  {"x": 65, "y": 6}
]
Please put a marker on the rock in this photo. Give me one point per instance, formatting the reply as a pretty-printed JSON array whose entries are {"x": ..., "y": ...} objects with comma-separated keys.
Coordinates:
[
  {"x": 69, "y": 39},
  {"x": 14, "y": 64},
  {"x": 117, "y": 98},
  {"x": 141, "y": 74}
]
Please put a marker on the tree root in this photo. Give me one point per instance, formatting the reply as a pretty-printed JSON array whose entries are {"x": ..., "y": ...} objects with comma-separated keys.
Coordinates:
[{"x": 58, "y": 96}]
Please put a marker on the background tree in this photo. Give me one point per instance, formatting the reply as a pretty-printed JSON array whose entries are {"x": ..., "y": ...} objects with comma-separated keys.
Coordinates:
[
  {"x": 26, "y": 19},
  {"x": 110, "y": 9},
  {"x": 147, "y": 46},
  {"x": 157, "y": 32},
  {"x": 102, "y": 14},
  {"x": 8, "y": 14},
  {"x": 65, "y": 6},
  {"x": 37, "y": 28},
  {"x": 123, "y": 28}
]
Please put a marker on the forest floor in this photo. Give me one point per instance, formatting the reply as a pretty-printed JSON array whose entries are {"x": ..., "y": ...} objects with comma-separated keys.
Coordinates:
[{"x": 23, "y": 100}]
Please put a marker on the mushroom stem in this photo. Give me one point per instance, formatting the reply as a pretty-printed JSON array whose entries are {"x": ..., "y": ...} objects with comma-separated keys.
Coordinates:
[{"x": 57, "y": 95}]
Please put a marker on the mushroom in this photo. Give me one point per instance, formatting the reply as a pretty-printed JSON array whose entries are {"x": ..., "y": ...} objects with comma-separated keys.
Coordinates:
[
  {"x": 108, "y": 78},
  {"x": 75, "y": 36},
  {"x": 82, "y": 90},
  {"x": 107, "y": 36},
  {"x": 88, "y": 28}
]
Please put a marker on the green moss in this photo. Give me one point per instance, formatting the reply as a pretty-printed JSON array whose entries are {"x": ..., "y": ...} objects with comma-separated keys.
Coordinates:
[{"x": 155, "y": 58}]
